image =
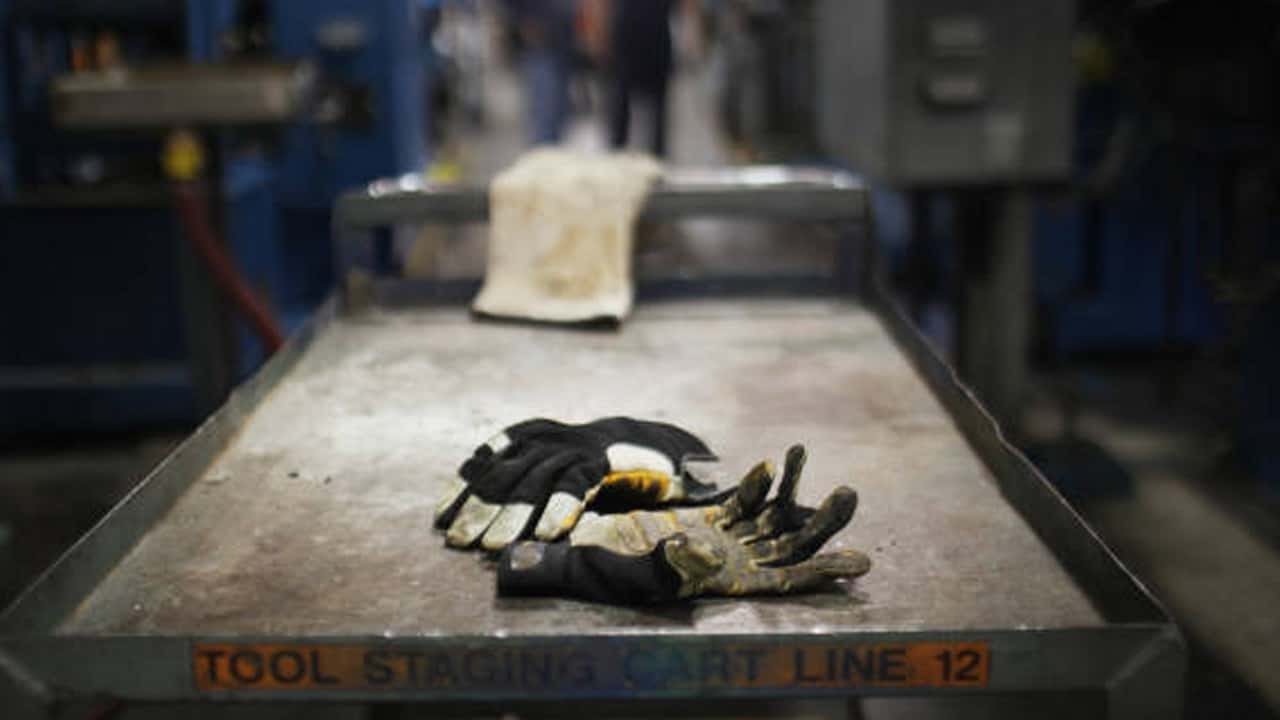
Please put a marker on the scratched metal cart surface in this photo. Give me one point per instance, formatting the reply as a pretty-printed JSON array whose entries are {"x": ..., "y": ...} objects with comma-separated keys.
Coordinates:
[{"x": 284, "y": 551}]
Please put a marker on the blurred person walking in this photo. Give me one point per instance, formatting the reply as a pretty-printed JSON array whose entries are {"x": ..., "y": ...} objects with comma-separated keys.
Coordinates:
[
  {"x": 545, "y": 30},
  {"x": 639, "y": 62}
]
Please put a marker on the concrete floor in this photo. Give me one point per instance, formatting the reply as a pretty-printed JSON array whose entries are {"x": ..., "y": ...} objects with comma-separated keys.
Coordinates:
[{"x": 1219, "y": 579}]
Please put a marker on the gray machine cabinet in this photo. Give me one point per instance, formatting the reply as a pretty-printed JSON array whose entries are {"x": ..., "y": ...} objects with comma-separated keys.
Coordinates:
[{"x": 945, "y": 92}]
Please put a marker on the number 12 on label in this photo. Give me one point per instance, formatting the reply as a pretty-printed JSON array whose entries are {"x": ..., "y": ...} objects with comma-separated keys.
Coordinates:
[{"x": 961, "y": 666}]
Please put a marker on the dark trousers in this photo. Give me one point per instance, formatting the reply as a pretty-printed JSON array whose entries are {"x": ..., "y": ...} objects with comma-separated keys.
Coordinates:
[{"x": 627, "y": 87}]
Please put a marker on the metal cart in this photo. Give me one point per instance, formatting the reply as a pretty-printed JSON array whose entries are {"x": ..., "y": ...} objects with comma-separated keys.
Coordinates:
[{"x": 284, "y": 551}]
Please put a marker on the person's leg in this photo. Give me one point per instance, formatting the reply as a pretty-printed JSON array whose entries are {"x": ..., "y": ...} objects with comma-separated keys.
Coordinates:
[
  {"x": 542, "y": 96},
  {"x": 619, "y": 110},
  {"x": 561, "y": 70},
  {"x": 658, "y": 93}
]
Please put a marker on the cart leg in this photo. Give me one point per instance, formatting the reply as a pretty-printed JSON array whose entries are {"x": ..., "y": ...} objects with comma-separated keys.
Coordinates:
[
  {"x": 994, "y": 313},
  {"x": 1151, "y": 685}
]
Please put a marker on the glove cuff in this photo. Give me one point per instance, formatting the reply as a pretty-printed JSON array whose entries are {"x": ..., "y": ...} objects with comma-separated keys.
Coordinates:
[{"x": 587, "y": 572}]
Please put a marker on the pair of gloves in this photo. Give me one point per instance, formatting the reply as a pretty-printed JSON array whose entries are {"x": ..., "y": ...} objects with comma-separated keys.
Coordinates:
[{"x": 615, "y": 517}]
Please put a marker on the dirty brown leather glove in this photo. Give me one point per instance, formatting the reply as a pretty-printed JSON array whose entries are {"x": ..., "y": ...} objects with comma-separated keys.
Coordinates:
[
  {"x": 746, "y": 545},
  {"x": 535, "y": 478}
]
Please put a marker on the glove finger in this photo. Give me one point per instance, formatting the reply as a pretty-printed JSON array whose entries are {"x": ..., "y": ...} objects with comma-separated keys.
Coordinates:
[
  {"x": 506, "y": 475},
  {"x": 770, "y": 522},
  {"x": 529, "y": 496},
  {"x": 456, "y": 492},
  {"x": 840, "y": 564},
  {"x": 796, "y": 455},
  {"x": 510, "y": 524},
  {"x": 777, "y": 518},
  {"x": 492, "y": 483},
  {"x": 474, "y": 517},
  {"x": 458, "y": 488},
  {"x": 822, "y": 569},
  {"x": 813, "y": 574},
  {"x": 566, "y": 502},
  {"x": 750, "y": 495},
  {"x": 782, "y": 514},
  {"x": 834, "y": 513},
  {"x": 486, "y": 497}
]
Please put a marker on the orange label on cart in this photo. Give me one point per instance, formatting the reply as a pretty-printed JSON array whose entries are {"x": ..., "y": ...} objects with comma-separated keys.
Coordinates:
[
  {"x": 586, "y": 667},
  {"x": 885, "y": 665}
]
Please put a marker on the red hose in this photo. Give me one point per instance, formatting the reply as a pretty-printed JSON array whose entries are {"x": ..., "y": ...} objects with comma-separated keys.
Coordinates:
[{"x": 194, "y": 214}]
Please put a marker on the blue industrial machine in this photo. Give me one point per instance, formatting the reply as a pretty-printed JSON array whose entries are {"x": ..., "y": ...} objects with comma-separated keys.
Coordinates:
[
  {"x": 107, "y": 320},
  {"x": 1170, "y": 242}
]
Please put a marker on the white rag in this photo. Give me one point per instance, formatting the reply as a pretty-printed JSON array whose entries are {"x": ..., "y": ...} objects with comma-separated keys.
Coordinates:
[{"x": 561, "y": 230}]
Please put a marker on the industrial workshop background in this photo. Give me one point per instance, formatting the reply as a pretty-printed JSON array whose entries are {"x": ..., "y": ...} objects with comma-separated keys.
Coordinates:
[{"x": 1075, "y": 202}]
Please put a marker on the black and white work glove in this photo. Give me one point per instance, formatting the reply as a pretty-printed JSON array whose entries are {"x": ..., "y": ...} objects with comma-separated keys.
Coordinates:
[
  {"x": 536, "y": 478},
  {"x": 746, "y": 545}
]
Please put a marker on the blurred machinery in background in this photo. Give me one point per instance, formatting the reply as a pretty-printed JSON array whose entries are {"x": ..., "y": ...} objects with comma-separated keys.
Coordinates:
[
  {"x": 971, "y": 98},
  {"x": 1163, "y": 253},
  {"x": 1092, "y": 179},
  {"x": 110, "y": 321},
  {"x": 946, "y": 93},
  {"x": 1190, "y": 111}
]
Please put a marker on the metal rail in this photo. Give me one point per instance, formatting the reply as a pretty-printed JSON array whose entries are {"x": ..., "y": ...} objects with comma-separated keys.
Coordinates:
[
  {"x": 772, "y": 192},
  {"x": 182, "y": 95}
]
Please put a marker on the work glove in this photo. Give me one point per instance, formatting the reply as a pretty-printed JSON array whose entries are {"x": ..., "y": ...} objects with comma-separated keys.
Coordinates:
[
  {"x": 537, "y": 477},
  {"x": 746, "y": 545}
]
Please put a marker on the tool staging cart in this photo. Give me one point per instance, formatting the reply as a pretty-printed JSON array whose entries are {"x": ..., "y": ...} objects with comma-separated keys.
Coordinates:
[{"x": 285, "y": 550}]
